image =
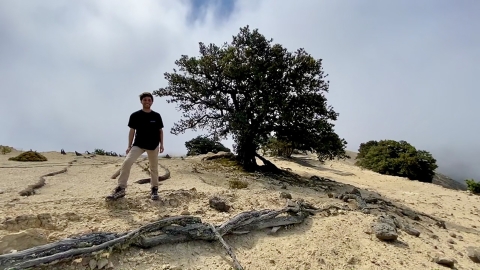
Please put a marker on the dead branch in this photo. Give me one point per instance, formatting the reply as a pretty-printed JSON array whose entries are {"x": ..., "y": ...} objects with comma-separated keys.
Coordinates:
[
  {"x": 30, "y": 189},
  {"x": 165, "y": 231}
]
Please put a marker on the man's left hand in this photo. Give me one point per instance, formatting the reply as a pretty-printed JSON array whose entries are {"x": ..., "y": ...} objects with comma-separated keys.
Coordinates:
[{"x": 161, "y": 148}]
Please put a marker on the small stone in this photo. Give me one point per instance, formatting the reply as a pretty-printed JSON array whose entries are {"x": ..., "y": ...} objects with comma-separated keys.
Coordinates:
[
  {"x": 102, "y": 263},
  {"x": 412, "y": 231},
  {"x": 450, "y": 241},
  {"x": 385, "y": 231},
  {"x": 185, "y": 213},
  {"x": 285, "y": 195},
  {"x": 283, "y": 186},
  {"x": 452, "y": 234},
  {"x": 473, "y": 253},
  {"x": 330, "y": 195},
  {"x": 1, "y": 191},
  {"x": 445, "y": 261},
  {"x": 92, "y": 263}
]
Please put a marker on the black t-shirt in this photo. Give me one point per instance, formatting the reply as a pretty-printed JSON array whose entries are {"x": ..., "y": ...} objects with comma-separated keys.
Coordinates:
[{"x": 147, "y": 127}]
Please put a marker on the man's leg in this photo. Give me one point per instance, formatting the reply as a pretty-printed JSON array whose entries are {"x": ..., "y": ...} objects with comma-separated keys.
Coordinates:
[
  {"x": 153, "y": 160},
  {"x": 133, "y": 155}
]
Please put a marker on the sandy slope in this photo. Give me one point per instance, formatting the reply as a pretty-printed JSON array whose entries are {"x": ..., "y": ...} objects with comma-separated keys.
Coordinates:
[{"x": 73, "y": 203}]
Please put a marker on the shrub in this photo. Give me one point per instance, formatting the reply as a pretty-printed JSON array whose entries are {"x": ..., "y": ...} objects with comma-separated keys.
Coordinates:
[
  {"x": 29, "y": 156},
  {"x": 473, "y": 186},
  {"x": 5, "y": 149},
  {"x": 398, "y": 159},
  {"x": 99, "y": 152},
  {"x": 279, "y": 148},
  {"x": 202, "y": 145}
]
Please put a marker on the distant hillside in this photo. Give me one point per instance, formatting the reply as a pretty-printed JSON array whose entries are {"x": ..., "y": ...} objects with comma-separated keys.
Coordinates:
[{"x": 438, "y": 179}]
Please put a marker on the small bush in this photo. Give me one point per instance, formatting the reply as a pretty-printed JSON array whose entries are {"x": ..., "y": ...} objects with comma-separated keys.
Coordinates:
[
  {"x": 279, "y": 148},
  {"x": 29, "y": 156},
  {"x": 5, "y": 149},
  {"x": 398, "y": 159},
  {"x": 99, "y": 152},
  {"x": 237, "y": 184},
  {"x": 473, "y": 186},
  {"x": 202, "y": 145}
]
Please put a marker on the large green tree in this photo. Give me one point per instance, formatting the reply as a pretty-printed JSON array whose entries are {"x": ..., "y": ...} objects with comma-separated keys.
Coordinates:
[
  {"x": 250, "y": 89},
  {"x": 398, "y": 158}
]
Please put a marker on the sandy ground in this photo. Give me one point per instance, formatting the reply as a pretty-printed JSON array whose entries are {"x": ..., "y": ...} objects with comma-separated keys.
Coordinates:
[{"x": 73, "y": 203}]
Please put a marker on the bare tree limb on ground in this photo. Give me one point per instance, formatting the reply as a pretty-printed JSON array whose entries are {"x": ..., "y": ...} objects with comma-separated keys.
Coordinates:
[
  {"x": 165, "y": 231},
  {"x": 30, "y": 189}
]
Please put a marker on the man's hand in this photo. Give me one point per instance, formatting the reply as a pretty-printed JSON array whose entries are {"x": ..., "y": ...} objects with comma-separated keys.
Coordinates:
[
  {"x": 128, "y": 150},
  {"x": 161, "y": 148}
]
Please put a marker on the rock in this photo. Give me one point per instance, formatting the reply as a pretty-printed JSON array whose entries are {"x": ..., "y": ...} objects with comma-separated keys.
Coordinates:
[
  {"x": 473, "y": 253},
  {"x": 92, "y": 263},
  {"x": 1, "y": 191},
  {"x": 412, "y": 231},
  {"x": 283, "y": 186},
  {"x": 330, "y": 195},
  {"x": 441, "y": 224},
  {"x": 385, "y": 231},
  {"x": 185, "y": 213},
  {"x": 442, "y": 260},
  {"x": 285, "y": 195},
  {"x": 452, "y": 234},
  {"x": 450, "y": 241},
  {"x": 218, "y": 204},
  {"x": 102, "y": 263},
  {"x": 410, "y": 214}
]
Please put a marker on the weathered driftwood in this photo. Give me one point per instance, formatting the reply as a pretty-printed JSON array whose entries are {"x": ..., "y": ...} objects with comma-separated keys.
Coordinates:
[
  {"x": 163, "y": 177},
  {"x": 30, "y": 190},
  {"x": 165, "y": 231}
]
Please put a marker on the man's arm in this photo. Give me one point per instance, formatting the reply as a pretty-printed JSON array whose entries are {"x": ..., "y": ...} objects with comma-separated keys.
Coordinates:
[
  {"x": 161, "y": 136},
  {"x": 131, "y": 134}
]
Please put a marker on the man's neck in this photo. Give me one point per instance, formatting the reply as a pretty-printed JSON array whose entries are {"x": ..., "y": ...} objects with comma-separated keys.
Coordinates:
[{"x": 146, "y": 110}]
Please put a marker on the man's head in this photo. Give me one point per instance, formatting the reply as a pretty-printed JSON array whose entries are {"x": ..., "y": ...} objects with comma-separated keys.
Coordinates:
[{"x": 146, "y": 99}]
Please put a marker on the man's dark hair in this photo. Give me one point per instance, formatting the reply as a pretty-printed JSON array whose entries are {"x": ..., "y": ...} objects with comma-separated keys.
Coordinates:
[{"x": 145, "y": 94}]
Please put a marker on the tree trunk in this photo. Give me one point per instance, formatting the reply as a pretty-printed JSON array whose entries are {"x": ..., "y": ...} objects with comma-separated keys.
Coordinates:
[{"x": 246, "y": 152}]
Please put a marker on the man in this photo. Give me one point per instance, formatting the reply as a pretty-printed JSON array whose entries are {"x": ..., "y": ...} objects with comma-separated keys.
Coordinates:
[{"x": 147, "y": 127}]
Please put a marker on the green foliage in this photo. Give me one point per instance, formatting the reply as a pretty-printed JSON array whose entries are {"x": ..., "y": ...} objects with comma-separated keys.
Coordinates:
[
  {"x": 473, "y": 186},
  {"x": 5, "y": 149},
  {"x": 202, "y": 145},
  {"x": 397, "y": 158},
  {"x": 279, "y": 148},
  {"x": 251, "y": 88},
  {"x": 29, "y": 156},
  {"x": 99, "y": 152}
]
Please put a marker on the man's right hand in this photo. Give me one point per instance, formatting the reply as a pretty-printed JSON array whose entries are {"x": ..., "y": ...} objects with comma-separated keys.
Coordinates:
[{"x": 128, "y": 149}]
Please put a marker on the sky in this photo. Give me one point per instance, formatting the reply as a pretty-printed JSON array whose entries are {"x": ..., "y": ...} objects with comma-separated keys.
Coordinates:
[{"x": 71, "y": 71}]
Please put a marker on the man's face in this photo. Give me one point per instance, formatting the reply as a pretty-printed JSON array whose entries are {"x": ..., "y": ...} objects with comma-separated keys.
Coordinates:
[{"x": 147, "y": 102}]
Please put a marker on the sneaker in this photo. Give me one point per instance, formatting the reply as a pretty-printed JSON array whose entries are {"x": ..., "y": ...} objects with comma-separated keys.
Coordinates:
[
  {"x": 118, "y": 192},
  {"x": 154, "y": 193}
]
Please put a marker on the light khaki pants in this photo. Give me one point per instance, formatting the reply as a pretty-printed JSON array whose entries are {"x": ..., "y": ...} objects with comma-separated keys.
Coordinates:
[{"x": 132, "y": 156}]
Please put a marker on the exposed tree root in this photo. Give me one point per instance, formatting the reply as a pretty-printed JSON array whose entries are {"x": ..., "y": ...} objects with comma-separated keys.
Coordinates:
[
  {"x": 163, "y": 177},
  {"x": 30, "y": 189},
  {"x": 165, "y": 231}
]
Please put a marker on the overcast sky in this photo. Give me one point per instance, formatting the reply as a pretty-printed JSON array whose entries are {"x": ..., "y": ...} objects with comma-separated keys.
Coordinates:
[{"x": 71, "y": 71}]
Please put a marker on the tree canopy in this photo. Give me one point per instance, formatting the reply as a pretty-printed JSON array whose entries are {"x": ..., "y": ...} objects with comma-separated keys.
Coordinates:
[
  {"x": 252, "y": 89},
  {"x": 397, "y": 158},
  {"x": 202, "y": 145}
]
